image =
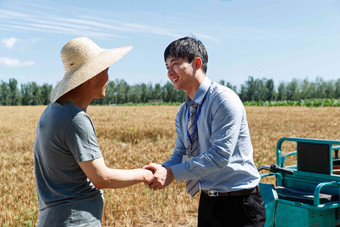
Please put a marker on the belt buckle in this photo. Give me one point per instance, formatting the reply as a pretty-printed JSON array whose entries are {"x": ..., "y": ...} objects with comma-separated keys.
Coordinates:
[{"x": 213, "y": 193}]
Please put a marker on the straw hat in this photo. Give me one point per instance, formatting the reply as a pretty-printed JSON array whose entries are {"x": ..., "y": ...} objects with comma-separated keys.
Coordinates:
[{"x": 82, "y": 60}]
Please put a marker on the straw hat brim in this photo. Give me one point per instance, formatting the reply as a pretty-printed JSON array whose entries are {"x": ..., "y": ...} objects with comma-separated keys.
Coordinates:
[{"x": 87, "y": 70}]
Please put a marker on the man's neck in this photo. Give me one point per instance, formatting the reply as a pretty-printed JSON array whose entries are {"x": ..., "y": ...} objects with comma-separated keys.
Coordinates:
[
  {"x": 196, "y": 84},
  {"x": 77, "y": 98}
]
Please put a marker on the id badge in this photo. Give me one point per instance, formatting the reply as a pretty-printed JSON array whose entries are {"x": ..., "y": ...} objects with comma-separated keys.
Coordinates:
[{"x": 186, "y": 157}]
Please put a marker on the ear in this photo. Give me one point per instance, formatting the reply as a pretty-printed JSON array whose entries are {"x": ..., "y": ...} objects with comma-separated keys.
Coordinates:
[{"x": 198, "y": 63}]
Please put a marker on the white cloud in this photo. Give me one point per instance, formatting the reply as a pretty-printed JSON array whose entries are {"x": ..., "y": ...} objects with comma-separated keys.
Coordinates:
[
  {"x": 95, "y": 26},
  {"x": 12, "y": 62},
  {"x": 80, "y": 24},
  {"x": 10, "y": 42}
]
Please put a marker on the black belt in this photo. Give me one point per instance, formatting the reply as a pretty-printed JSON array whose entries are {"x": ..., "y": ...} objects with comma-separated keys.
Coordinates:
[{"x": 233, "y": 193}]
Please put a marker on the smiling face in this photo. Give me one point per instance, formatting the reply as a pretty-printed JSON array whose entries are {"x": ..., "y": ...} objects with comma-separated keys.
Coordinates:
[
  {"x": 185, "y": 75},
  {"x": 181, "y": 73}
]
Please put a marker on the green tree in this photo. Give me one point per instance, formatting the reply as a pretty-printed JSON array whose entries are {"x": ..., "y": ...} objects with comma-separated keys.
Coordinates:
[
  {"x": 256, "y": 89},
  {"x": 148, "y": 92},
  {"x": 232, "y": 87},
  {"x": 222, "y": 82},
  {"x": 270, "y": 90},
  {"x": 308, "y": 89},
  {"x": 293, "y": 90},
  {"x": 157, "y": 92},
  {"x": 330, "y": 89},
  {"x": 14, "y": 94},
  {"x": 243, "y": 93},
  {"x": 321, "y": 88},
  {"x": 45, "y": 92},
  {"x": 31, "y": 94},
  {"x": 169, "y": 92},
  {"x": 251, "y": 89},
  {"x": 143, "y": 93},
  {"x": 282, "y": 92},
  {"x": 136, "y": 93},
  {"x": 181, "y": 96},
  {"x": 122, "y": 89},
  {"x": 337, "y": 88},
  {"x": 4, "y": 94}
]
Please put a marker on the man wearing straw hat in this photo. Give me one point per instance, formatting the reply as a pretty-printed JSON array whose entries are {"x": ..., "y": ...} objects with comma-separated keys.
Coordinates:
[
  {"x": 213, "y": 151},
  {"x": 69, "y": 168}
]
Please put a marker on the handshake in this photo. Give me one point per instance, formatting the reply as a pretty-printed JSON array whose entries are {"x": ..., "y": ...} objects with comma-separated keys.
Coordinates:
[{"x": 157, "y": 176}]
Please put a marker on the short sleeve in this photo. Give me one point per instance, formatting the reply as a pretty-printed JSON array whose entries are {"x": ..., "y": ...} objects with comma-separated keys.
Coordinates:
[{"x": 82, "y": 139}]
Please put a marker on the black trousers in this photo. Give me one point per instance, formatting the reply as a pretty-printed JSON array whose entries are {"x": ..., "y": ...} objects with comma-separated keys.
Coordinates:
[{"x": 234, "y": 211}]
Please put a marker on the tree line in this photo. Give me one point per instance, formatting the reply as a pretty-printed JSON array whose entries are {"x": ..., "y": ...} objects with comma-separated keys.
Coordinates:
[
  {"x": 120, "y": 92},
  {"x": 117, "y": 92}
]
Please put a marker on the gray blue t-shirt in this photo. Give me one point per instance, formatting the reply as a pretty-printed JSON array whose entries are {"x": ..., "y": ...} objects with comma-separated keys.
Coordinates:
[{"x": 65, "y": 136}]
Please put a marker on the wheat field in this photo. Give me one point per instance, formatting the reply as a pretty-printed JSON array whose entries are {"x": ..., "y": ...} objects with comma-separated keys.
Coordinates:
[{"x": 131, "y": 137}]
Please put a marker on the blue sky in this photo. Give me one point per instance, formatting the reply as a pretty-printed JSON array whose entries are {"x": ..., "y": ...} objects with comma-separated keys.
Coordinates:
[{"x": 278, "y": 40}]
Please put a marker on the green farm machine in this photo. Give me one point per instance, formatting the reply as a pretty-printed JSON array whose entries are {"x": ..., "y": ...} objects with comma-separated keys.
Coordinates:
[{"x": 306, "y": 193}]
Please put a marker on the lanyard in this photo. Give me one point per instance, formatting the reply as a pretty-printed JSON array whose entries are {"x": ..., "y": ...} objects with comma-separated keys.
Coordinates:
[{"x": 197, "y": 115}]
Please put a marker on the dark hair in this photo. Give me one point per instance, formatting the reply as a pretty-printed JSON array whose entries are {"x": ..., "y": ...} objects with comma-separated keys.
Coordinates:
[{"x": 189, "y": 48}]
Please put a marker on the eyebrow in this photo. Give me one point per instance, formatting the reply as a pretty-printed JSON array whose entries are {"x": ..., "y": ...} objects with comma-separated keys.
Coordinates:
[{"x": 172, "y": 60}]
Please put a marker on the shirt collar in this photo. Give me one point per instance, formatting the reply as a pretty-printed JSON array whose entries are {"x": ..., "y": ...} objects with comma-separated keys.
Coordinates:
[{"x": 201, "y": 91}]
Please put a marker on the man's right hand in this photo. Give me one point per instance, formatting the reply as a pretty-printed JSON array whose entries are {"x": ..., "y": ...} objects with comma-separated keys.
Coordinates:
[{"x": 162, "y": 176}]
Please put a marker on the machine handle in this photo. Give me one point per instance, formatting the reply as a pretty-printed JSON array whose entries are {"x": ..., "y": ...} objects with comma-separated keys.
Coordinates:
[{"x": 275, "y": 169}]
